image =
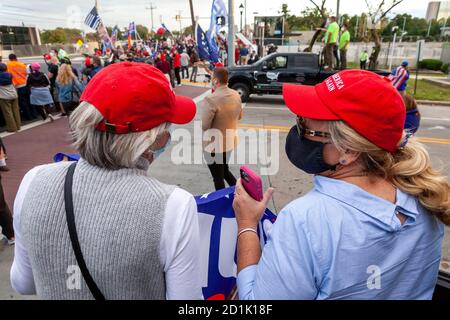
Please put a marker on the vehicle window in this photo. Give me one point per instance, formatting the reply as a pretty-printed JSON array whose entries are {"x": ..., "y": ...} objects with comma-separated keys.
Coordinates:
[
  {"x": 281, "y": 62},
  {"x": 304, "y": 61}
]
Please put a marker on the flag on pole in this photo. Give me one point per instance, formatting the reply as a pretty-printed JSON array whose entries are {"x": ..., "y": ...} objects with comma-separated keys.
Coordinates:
[
  {"x": 115, "y": 34},
  {"x": 93, "y": 19},
  {"x": 218, "y": 20},
  {"x": 202, "y": 43},
  {"x": 219, "y": 16},
  {"x": 131, "y": 29},
  {"x": 163, "y": 30}
]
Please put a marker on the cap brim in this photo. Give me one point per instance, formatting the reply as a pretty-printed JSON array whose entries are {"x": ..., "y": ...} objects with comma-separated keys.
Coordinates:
[
  {"x": 185, "y": 110},
  {"x": 304, "y": 102}
]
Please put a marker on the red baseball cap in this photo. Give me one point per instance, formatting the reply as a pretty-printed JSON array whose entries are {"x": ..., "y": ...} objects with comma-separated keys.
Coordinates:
[
  {"x": 136, "y": 97},
  {"x": 367, "y": 102}
]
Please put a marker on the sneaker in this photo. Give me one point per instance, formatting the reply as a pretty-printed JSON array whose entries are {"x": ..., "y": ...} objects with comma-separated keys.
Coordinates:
[
  {"x": 51, "y": 117},
  {"x": 11, "y": 241},
  {"x": 64, "y": 114}
]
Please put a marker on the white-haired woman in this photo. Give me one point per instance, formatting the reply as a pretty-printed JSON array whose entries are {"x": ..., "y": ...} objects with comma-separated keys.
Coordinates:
[
  {"x": 372, "y": 227},
  {"x": 132, "y": 236}
]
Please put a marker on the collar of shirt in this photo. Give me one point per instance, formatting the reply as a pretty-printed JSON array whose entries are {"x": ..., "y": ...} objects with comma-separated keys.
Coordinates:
[{"x": 381, "y": 210}]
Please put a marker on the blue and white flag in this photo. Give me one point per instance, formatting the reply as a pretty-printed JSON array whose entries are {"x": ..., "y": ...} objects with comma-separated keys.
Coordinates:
[
  {"x": 93, "y": 19},
  {"x": 202, "y": 44},
  {"x": 219, "y": 18},
  {"x": 131, "y": 29},
  {"x": 218, "y": 234}
]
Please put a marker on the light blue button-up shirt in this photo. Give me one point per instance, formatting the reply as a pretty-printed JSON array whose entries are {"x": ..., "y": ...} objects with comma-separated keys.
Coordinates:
[{"x": 340, "y": 242}]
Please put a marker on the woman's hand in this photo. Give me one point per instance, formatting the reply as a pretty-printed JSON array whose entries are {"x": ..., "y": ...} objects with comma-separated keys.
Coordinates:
[{"x": 249, "y": 211}]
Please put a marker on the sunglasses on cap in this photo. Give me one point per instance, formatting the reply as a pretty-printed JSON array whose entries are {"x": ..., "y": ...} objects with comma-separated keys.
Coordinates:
[{"x": 303, "y": 131}]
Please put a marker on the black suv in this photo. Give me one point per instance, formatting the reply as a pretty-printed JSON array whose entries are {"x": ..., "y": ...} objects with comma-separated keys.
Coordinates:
[{"x": 268, "y": 74}]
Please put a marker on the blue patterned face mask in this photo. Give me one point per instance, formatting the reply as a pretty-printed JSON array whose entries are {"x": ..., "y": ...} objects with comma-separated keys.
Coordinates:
[{"x": 159, "y": 152}]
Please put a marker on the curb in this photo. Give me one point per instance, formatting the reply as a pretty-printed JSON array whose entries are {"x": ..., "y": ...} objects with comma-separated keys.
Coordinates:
[{"x": 434, "y": 103}]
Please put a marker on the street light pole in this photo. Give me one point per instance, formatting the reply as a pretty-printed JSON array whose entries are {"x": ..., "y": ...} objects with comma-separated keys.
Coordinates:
[
  {"x": 394, "y": 29},
  {"x": 241, "y": 10},
  {"x": 230, "y": 33},
  {"x": 245, "y": 20}
]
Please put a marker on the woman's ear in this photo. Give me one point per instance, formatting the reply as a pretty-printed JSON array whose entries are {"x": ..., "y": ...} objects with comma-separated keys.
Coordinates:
[{"x": 349, "y": 157}]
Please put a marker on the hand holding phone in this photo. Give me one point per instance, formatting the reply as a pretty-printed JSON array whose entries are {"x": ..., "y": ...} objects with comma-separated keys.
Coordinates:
[{"x": 252, "y": 183}]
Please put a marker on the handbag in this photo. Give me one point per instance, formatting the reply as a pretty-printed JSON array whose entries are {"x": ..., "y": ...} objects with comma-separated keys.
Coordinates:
[{"x": 70, "y": 218}]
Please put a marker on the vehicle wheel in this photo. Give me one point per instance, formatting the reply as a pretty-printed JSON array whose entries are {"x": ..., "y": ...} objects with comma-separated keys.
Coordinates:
[{"x": 243, "y": 91}]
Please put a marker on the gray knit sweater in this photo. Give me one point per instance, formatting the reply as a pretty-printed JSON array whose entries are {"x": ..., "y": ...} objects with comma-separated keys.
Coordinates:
[{"x": 119, "y": 217}]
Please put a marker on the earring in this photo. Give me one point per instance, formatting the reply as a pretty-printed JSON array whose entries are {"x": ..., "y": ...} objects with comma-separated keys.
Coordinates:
[{"x": 343, "y": 162}]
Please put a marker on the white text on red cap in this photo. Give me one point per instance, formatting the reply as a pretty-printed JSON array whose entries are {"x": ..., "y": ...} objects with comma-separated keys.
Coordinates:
[{"x": 334, "y": 82}]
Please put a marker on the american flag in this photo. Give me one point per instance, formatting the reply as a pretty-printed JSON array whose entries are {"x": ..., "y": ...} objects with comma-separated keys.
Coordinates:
[{"x": 93, "y": 19}]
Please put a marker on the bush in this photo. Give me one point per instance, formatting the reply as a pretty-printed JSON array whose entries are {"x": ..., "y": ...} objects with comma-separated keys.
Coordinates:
[
  {"x": 430, "y": 64},
  {"x": 444, "y": 68}
]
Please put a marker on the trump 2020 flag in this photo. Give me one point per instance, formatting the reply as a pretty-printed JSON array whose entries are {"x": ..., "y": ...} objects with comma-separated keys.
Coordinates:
[
  {"x": 218, "y": 233},
  {"x": 218, "y": 20},
  {"x": 202, "y": 43}
]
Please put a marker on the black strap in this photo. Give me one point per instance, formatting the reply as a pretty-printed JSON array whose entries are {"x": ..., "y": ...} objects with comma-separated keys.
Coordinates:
[{"x": 74, "y": 237}]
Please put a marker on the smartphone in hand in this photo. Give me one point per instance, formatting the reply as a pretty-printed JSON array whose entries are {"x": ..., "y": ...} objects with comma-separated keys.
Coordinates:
[{"x": 252, "y": 183}]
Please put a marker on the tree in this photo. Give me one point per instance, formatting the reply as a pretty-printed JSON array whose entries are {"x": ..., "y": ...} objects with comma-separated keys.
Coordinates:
[
  {"x": 142, "y": 31},
  {"x": 323, "y": 15},
  {"x": 376, "y": 17},
  {"x": 285, "y": 12}
]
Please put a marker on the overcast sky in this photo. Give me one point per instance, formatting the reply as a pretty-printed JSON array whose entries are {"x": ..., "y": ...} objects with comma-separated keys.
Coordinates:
[{"x": 68, "y": 13}]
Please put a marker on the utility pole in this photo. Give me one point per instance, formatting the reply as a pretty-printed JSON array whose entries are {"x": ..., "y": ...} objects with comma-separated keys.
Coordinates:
[
  {"x": 151, "y": 8},
  {"x": 191, "y": 5},
  {"x": 230, "y": 33},
  {"x": 429, "y": 28},
  {"x": 179, "y": 19}
]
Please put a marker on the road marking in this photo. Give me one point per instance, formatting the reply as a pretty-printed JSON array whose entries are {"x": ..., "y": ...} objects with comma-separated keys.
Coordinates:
[
  {"x": 285, "y": 129},
  {"x": 269, "y": 108},
  {"x": 201, "y": 97},
  {"x": 286, "y": 109},
  {"x": 436, "y": 119},
  {"x": 29, "y": 126},
  {"x": 35, "y": 124}
]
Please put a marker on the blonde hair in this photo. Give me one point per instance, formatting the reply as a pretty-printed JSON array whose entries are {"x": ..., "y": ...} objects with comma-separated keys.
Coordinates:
[
  {"x": 409, "y": 169},
  {"x": 65, "y": 75},
  {"x": 108, "y": 150}
]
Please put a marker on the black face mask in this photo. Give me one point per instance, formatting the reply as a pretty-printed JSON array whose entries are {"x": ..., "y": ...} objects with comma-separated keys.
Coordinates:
[{"x": 305, "y": 154}]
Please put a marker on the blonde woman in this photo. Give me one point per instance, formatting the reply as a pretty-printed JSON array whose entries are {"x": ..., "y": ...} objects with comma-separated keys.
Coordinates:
[
  {"x": 67, "y": 83},
  {"x": 372, "y": 227}
]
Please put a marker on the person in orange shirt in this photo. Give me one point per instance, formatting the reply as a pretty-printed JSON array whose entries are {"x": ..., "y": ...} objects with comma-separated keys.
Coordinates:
[{"x": 19, "y": 78}]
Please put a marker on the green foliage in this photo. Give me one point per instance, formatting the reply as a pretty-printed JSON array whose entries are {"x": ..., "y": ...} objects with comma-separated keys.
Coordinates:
[
  {"x": 142, "y": 30},
  {"x": 444, "y": 68},
  {"x": 430, "y": 64},
  {"x": 415, "y": 26},
  {"x": 60, "y": 35}
]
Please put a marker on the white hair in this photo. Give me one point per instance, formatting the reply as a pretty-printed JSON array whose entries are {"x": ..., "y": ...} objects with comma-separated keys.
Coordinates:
[{"x": 105, "y": 149}]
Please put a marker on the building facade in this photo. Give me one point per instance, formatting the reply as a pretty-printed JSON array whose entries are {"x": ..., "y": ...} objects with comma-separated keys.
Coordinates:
[
  {"x": 438, "y": 10},
  {"x": 13, "y": 36}
]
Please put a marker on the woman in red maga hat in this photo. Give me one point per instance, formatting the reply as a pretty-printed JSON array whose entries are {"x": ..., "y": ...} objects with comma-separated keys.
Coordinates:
[
  {"x": 138, "y": 237},
  {"x": 373, "y": 225}
]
